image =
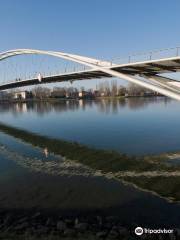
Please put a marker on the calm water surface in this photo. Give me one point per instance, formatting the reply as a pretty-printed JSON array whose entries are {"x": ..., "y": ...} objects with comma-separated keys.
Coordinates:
[{"x": 134, "y": 126}]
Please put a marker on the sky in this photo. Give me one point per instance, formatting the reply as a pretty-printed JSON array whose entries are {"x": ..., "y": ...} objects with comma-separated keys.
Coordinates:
[{"x": 101, "y": 29}]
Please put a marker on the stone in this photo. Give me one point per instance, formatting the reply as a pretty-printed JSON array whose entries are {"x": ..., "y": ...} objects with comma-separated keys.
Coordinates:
[
  {"x": 36, "y": 215},
  {"x": 113, "y": 234},
  {"x": 7, "y": 220},
  {"x": 61, "y": 226},
  {"x": 42, "y": 230},
  {"x": 49, "y": 222},
  {"x": 69, "y": 222},
  {"x": 21, "y": 226},
  {"x": 123, "y": 231},
  {"x": 112, "y": 219},
  {"x": 160, "y": 237},
  {"x": 172, "y": 236},
  {"x": 108, "y": 225},
  {"x": 8, "y": 229},
  {"x": 177, "y": 231},
  {"x": 76, "y": 221},
  {"x": 115, "y": 228},
  {"x": 94, "y": 227},
  {"x": 81, "y": 227},
  {"x": 99, "y": 220},
  {"x": 21, "y": 220},
  {"x": 101, "y": 234},
  {"x": 69, "y": 232}
]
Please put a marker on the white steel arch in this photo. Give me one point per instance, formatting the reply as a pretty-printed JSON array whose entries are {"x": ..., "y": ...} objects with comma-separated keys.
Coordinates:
[{"x": 103, "y": 66}]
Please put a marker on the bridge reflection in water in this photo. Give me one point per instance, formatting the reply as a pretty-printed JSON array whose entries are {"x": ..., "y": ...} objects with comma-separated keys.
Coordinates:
[{"x": 41, "y": 183}]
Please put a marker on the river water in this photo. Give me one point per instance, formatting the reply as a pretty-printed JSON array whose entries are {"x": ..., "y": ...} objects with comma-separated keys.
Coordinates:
[{"x": 135, "y": 126}]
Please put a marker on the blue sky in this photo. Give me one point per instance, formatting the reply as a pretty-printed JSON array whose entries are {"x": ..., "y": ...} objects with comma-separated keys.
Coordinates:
[{"x": 97, "y": 28}]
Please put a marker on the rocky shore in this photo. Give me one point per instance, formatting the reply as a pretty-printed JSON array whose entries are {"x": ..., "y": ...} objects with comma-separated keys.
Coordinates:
[{"x": 36, "y": 225}]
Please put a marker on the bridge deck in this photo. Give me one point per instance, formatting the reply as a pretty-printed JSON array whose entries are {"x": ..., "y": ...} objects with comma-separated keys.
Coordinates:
[{"x": 146, "y": 68}]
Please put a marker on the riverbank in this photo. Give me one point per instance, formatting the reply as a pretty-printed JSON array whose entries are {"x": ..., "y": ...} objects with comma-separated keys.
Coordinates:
[
  {"x": 51, "y": 99},
  {"x": 41, "y": 225},
  {"x": 37, "y": 225}
]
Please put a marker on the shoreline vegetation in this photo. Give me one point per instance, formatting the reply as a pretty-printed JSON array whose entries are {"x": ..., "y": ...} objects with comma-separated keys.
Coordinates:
[
  {"x": 53, "y": 99},
  {"x": 152, "y": 172},
  {"x": 104, "y": 90}
]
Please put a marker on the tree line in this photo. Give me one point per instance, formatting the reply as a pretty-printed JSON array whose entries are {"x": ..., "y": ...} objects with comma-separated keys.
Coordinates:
[{"x": 103, "y": 89}]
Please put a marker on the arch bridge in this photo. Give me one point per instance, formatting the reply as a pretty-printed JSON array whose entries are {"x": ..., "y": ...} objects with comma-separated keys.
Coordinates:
[{"x": 147, "y": 72}]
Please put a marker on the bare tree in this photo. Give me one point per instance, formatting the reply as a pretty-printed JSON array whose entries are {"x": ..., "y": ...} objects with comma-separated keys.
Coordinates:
[
  {"x": 41, "y": 92},
  {"x": 114, "y": 88},
  {"x": 136, "y": 90},
  {"x": 122, "y": 91}
]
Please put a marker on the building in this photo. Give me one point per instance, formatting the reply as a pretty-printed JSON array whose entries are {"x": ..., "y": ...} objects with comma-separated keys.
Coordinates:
[
  {"x": 85, "y": 94},
  {"x": 58, "y": 93},
  {"x": 22, "y": 95}
]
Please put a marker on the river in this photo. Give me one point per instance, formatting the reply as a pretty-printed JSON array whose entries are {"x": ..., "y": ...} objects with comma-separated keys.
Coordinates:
[{"x": 136, "y": 126}]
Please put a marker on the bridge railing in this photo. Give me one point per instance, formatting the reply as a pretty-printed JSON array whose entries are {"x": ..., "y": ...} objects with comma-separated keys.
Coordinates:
[
  {"x": 139, "y": 57},
  {"x": 147, "y": 56},
  {"x": 4, "y": 79}
]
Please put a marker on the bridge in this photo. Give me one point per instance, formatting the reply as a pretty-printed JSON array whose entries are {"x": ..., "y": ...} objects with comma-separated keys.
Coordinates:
[{"x": 147, "y": 72}]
